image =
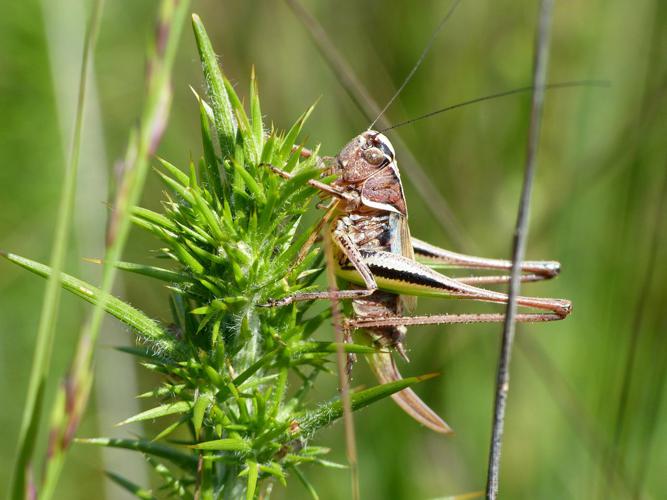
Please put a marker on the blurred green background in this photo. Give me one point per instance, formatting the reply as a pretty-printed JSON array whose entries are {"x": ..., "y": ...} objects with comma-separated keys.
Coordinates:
[{"x": 586, "y": 415}]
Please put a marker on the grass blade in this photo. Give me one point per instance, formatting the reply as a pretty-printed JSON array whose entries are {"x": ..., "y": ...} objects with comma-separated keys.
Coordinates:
[
  {"x": 519, "y": 246},
  {"x": 46, "y": 330},
  {"x": 142, "y": 145},
  {"x": 152, "y": 124}
]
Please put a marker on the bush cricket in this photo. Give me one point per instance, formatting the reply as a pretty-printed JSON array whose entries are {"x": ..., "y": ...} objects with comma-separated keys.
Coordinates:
[
  {"x": 388, "y": 269},
  {"x": 385, "y": 267}
]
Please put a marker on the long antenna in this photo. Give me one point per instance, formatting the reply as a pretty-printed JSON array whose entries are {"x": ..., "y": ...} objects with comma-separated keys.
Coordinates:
[
  {"x": 435, "y": 33},
  {"x": 550, "y": 86}
]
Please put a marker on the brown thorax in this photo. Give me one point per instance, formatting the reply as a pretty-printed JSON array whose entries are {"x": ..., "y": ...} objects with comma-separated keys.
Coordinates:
[{"x": 367, "y": 168}]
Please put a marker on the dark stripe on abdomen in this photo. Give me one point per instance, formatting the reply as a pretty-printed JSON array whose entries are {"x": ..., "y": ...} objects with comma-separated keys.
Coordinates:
[{"x": 408, "y": 277}]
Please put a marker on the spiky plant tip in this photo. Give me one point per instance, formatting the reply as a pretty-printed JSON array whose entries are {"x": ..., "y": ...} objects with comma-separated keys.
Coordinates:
[
  {"x": 233, "y": 229},
  {"x": 230, "y": 226}
]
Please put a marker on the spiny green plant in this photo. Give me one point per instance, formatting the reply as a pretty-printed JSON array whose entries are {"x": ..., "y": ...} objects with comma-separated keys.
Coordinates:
[{"x": 233, "y": 233}]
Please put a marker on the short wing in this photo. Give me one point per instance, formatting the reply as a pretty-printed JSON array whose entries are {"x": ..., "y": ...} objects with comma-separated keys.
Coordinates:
[{"x": 402, "y": 245}]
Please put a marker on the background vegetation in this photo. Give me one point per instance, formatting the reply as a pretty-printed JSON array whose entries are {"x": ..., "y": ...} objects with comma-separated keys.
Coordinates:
[{"x": 586, "y": 417}]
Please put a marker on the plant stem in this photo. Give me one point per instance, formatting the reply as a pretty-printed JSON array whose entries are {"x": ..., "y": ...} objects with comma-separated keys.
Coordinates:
[
  {"x": 343, "y": 381},
  {"x": 153, "y": 123},
  {"x": 541, "y": 57},
  {"x": 48, "y": 318}
]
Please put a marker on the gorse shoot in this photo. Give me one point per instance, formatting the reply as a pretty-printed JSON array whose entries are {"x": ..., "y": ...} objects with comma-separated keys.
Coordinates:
[{"x": 233, "y": 233}]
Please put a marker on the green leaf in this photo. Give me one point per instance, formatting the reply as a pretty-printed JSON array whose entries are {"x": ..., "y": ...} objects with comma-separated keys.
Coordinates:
[
  {"x": 159, "y": 411},
  {"x": 149, "y": 329},
  {"x": 154, "y": 218},
  {"x": 210, "y": 158},
  {"x": 158, "y": 273},
  {"x": 297, "y": 183},
  {"x": 182, "y": 460},
  {"x": 46, "y": 332},
  {"x": 261, "y": 362},
  {"x": 170, "y": 429},
  {"x": 175, "y": 172},
  {"x": 257, "y": 381},
  {"x": 267, "y": 151},
  {"x": 143, "y": 352},
  {"x": 309, "y": 487},
  {"x": 199, "y": 411},
  {"x": 131, "y": 487},
  {"x": 253, "y": 473},
  {"x": 184, "y": 256},
  {"x": 333, "y": 410},
  {"x": 294, "y": 132},
  {"x": 176, "y": 187},
  {"x": 329, "y": 464},
  {"x": 164, "y": 390},
  {"x": 315, "y": 451},
  {"x": 328, "y": 347},
  {"x": 171, "y": 482},
  {"x": 209, "y": 217},
  {"x": 275, "y": 470},
  {"x": 256, "y": 111},
  {"x": 225, "y": 123},
  {"x": 251, "y": 146},
  {"x": 227, "y": 444},
  {"x": 192, "y": 177},
  {"x": 253, "y": 186}
]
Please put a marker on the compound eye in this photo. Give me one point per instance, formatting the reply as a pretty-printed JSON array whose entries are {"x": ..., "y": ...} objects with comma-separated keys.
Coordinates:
[
  {"x": 374, "y": 156},
  {"x": 385, "y": 149}
]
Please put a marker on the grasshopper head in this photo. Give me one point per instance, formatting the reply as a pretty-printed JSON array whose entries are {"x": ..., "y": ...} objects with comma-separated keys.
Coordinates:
[{"x": 364, "y": 155}]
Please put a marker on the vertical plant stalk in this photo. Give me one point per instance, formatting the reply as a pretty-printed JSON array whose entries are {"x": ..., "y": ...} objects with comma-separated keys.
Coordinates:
[
  {"x": 617, "y": 456},
  {"x": 343, "y": 380},
  {"x": 541, "y": 57},
  {"x": 49, "y": 314},
  {"x": 573, "y": 410},
  {"x": 152, "y": 124},
  {"x": 64, "y": 28},
  {"x": 143, "y": 144}
]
